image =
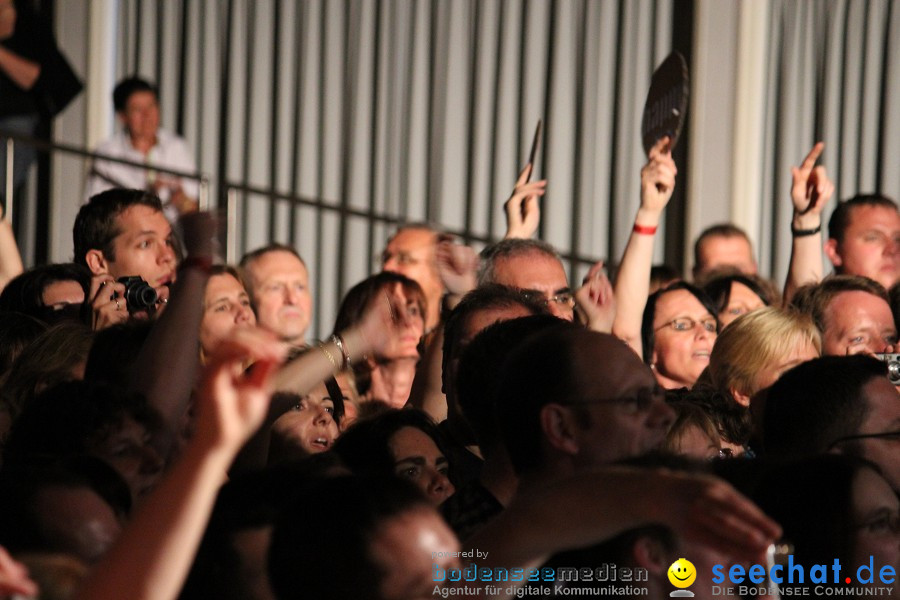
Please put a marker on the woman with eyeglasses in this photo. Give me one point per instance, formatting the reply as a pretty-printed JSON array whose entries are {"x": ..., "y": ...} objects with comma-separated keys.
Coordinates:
[{"x": 678, "y": 331}]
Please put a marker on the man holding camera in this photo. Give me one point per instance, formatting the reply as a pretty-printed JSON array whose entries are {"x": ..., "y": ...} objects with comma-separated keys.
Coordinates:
[{"x": 120, "y": 234}]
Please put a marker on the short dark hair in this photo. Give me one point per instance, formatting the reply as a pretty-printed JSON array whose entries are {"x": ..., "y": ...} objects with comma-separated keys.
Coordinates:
[
  {"x": 128, "y": 86},
  {"x": 509, "y": 248},
  {"x": 312, "y": 556},
  {"x": 816, "y": 403},
  {"x": 840, "y": 218},
  {"x": 648, "y": 336},
  {"x": 365, "y": 447},
  {"x": 814, "y": 299},
  {"x": 718, "y": 288},
  {"x": 727, "y": 230},
  {"x": 540, "y": 371},
  {"x": 489, "y": 296},
  {"x": 480, "y": 366},
  {"x": 96, "y": 226}
]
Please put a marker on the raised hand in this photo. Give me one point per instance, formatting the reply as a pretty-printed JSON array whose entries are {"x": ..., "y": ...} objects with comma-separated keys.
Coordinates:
[
  {"x": 709, "y": 511},
  {"x": 595, "y": 302},
  {"x": 233, "y": 401},
  {"x": 385, "y": 318},
  {"x": 457, "y": 267},
  {"x": 108, "y": 305},
  {"x": 658, "y": 177},
  {"x": 14, "y": 580},
  {"x": 523, "y": 209},
  {"x": 811, "y": 189}
]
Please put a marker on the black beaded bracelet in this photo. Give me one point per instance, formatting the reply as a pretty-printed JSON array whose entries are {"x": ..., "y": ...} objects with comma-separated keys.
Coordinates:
[{"x": 805, "y": 232}]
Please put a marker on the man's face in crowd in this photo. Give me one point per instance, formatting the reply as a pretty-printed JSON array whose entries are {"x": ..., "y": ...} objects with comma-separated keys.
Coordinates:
[
  {"x": 882, "y": 416},
  {"x": 541, "y": 274},
  {"x": 279, "y": 289},
  {"x": 411, "y": 252},
  {"x": 718, "y": 251},
  {"x": 871, "y": 245},
  {"x": 141, "y": 115},
  {"x": 857, "y": 322},
  {"x": 78, "y": 519},
  {"x": 402, "y": 548},
  {"x": 144, "y": 247},
  {"x": 626, "y": 409}
]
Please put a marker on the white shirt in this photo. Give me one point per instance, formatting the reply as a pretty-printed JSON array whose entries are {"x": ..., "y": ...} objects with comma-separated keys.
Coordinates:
[{"x": 170, "y": 151}]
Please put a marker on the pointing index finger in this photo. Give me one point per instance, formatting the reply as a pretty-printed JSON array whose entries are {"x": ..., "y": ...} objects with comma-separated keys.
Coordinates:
[{"x": 813, "y": 156}]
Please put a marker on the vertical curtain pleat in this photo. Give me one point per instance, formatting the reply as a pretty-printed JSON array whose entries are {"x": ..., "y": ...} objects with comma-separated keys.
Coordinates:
[
  {"x": 419, "y": 110},
  {"x": 832, "y": 76}
]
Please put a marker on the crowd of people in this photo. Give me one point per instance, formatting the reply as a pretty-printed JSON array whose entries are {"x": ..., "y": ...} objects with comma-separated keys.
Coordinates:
[{"x": 169, "y": 429}]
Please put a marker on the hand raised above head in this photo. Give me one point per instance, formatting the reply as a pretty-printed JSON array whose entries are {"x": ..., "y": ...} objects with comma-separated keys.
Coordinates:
[
  {"x": 523, "y": 208},
  {"x": 457, "y": 267},
  {"x": 811, "y": 188},
  {"x": 658, "y": 177},
  {"x": 233, "y": 400},
  {"x": 595, "y": 302}
]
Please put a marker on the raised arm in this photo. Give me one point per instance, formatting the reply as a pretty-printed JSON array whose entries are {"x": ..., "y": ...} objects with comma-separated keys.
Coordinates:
[
  {"x": 382, "y": 321},
  {"x": 170, "y": 356},
  {"x": 633, "y": 281},
  {"x": 523, "y": 209},
  {"x": 811, "y": 190},
  {"x": 595, "y": 302},
  {"x": 23, "y": 72},
  {"x": 10, "y": 259},
  {"x": 457, "y": 266},
  {"x": 594, "y": 507},
  {"x": 151, "y": 559}
]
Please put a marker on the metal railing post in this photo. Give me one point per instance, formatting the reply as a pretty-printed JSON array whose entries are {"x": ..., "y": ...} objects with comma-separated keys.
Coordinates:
[
  {"x": 203, "y": 200},
  {"x": 10, "y": 159},
  {"x": 231, "y": 226}
]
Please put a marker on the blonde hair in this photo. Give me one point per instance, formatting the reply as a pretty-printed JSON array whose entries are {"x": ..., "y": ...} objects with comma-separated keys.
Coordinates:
[{"x": 752, "y": 341}]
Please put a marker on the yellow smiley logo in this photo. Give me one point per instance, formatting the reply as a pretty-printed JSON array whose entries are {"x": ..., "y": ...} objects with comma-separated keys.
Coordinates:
[{"x": 682, "y": 573}]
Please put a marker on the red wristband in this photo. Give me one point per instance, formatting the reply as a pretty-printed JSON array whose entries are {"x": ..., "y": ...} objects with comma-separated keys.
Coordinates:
[{"x": 644, "y": 229}]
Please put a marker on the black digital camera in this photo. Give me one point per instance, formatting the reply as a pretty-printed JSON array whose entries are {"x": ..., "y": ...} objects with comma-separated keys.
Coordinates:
[
  {"x": 893, "y": 366},
  {"x": 139, "y": 295}
]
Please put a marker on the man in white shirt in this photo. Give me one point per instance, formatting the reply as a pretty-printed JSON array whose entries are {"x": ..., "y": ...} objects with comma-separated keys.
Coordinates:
[{"x": 141, "y": 140}]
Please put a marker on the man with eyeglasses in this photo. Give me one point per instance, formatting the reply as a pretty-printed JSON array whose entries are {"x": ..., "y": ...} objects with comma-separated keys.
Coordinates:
[
  {"x": 573, "y": 399},
  {"x": 532, "y": 266},
  {"x": 842, "y": 404},
  {"x": 411, "y": 251}
]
